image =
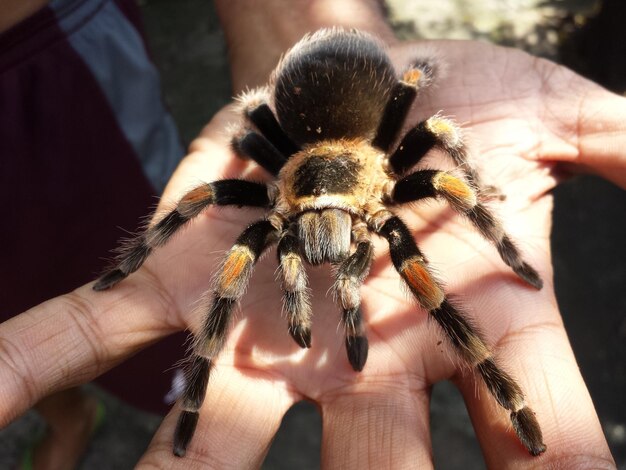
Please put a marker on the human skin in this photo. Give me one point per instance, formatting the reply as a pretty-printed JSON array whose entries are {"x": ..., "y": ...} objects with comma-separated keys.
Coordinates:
[{"x": 524, "y": 118}]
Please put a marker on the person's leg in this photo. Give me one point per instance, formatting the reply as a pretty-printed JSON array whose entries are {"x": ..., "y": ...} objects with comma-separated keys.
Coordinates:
[
  {"x": 83, "y": 153},
  {"x": 71, "y": 417}
]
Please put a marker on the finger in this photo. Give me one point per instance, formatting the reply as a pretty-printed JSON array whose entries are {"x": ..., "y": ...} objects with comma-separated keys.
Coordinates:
[
  {"x": 381, "y": 425},
  {"x": 593, "y": 127},
  {"x": 73, "y": 338},
  {"x": 238, "y": 420},
  {"x": 540, "y": 358}
]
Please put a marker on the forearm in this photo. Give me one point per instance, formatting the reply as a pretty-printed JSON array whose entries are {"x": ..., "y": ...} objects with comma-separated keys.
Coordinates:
[
  {"x": 14, "y": 11},
  {"x": 258, "y": 33}
]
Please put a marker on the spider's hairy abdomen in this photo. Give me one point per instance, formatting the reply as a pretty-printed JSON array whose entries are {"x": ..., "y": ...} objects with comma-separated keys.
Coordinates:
[{"x": 333, "y": 85}]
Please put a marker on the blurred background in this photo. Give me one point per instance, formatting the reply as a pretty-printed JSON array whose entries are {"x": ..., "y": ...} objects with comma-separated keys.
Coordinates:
[{"x": 588, "y": 239}]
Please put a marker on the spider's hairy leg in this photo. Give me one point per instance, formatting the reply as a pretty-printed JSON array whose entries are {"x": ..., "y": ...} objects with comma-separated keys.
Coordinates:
[
  {"x": 463, "y": 198},
  {"x": 251, "y": 144},
  {"x": 465, "y": 338},
  {"x": 294, "y": 283},
  {"x": 257, "y": 111},
  {"x": 221, "y": 193},
  {"x": 350, "y": 276},
  {"x": 402, "y": 95},
  {"x": 439, "y": 132},
  {"x": 230, "y": 284}
]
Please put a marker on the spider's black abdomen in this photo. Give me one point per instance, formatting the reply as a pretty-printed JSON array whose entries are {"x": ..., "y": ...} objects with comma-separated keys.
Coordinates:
[
  {"x": 320, "y": 175},
  {"x": 335, "y": 85}
]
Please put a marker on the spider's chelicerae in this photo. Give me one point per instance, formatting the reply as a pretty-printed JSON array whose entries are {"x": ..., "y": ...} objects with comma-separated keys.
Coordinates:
[{"x": 325, "y": 128}]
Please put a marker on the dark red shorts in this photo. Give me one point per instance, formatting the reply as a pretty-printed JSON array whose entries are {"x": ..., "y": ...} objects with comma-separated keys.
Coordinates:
[{"x": 86, "y": 144}]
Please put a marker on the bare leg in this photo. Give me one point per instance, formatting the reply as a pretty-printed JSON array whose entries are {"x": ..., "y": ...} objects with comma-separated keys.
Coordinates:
[{"x": 70, "y": 416}]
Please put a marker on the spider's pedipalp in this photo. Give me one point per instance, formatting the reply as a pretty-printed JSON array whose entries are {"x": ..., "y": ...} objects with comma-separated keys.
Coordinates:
[
  {"x": 296, "y": 295},
  {"x": 221, "y": 193},
  {"x": 230, "y": 284},
  {"x": 350, "y": 276},
  {"x": 402, "y": 95},
  {"x": 357, "y": 345},
  {"x": 463, "y": 198},
  {"x": 465, "y": 338}
]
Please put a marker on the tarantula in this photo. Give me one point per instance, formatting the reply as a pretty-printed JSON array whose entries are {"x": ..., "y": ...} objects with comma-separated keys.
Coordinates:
[{"x": 325, "y": 128}]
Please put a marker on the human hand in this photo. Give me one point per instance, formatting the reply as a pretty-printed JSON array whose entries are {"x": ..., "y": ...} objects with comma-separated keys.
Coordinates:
[{"x": 379, "y": 415}]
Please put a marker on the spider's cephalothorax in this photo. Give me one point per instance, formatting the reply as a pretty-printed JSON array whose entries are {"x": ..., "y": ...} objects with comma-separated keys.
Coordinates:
[{"x": 339, "y": 109}]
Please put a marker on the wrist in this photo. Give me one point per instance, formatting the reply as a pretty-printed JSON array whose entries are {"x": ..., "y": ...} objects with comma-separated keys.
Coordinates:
[{"x": 258, "y": 33}]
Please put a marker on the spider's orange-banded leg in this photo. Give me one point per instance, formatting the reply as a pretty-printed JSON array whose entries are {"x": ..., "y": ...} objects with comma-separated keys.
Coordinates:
[
  {"x": 257, "y": 111},
  {"x": 230, "y": 284},
  {"x": 462, "y": 197},
  {"x": 401, "y": 97},
  {"x": 441, "y": 133},
  {"x": 296, "y": 292},
  {"x": 467, "y": 341},
  {"x": 351, "y": 273},
  {"x": 221, "y": 193}
]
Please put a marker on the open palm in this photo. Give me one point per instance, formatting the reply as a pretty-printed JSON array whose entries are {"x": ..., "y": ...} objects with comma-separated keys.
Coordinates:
[{"x": 520, "y": 122}]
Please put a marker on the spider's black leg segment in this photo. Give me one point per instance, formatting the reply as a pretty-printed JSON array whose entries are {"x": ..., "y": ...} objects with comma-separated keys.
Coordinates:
[
  {"x": 463, "y": 198},
  {"x": 296, "y": 293},
  {"x": 491, "y": 229},
  {"x": 253, "y": 145},
  {"x": 465, "y": 338},
  {"x": 434, "y": 132},
  {"x": 400, "y": 100},
  {"x": 412, "y": 148},
  {"x": 258, "y": 112},
  {"x": 350, "y": 275},
  {"x": 224, "y": 192},
  {"x": 265, "y": 121},
  {"x": 230, "y": 284}
]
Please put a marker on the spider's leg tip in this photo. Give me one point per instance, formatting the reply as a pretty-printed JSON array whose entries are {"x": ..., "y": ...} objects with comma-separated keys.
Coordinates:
[
  {"x": 530, "y": 275},
  {"x": 179, "y": 451},
  {"x": 357, "y": 348},
  {"x": 185, "y": 429},
  {"x": 528, "y": 430},
  {"x": 302, "y": 336},
  {"x": 538, "y": 450},
  {"x": 109, "y": 280}
]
